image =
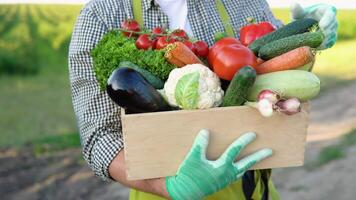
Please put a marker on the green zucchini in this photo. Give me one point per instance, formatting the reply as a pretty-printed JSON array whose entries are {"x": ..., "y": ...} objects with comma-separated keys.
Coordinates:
[
  {"x": 279, "y": 47},
  {"x": 290, "y": 83},
  {"x": 293, "y": 28},
  {"x": 152, "y": 79},
  {"x": 236, "y": 93}
]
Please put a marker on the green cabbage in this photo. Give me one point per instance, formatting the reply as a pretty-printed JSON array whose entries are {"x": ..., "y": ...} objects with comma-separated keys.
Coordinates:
[{"x": 187, "y": 91}]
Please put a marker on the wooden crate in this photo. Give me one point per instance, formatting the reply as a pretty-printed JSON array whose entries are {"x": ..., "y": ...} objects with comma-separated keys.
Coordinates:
[{"x": 157, "y": 143}]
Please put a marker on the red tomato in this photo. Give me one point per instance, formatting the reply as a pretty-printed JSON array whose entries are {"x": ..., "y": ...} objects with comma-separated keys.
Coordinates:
[
  {"x": 154, "y": 43},
  {"x": 190, "y": 45},
  {"x": 162, "y": 42},
  {"x": 130, "y": 25},
  {"x": 253, "y": 31},
  {"x": 179, "y": 34},
  {"x": 144, "y": 42},
  {"x": 230, "y": 58},
  {"x": 201, "y": 48},
  {"x": 157, "y": 30},
  {"x": 221, "y": 43}
]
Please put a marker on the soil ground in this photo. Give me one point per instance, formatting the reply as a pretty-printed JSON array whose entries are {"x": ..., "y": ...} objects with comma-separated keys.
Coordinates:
[{"x": 64, "y": 175}]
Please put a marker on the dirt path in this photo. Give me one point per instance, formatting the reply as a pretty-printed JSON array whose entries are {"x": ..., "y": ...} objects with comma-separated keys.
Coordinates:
[
  {"x": 59, "y": 176},
  {"x": 64, "y": 175},
  {"x": 333, "y": 114}
]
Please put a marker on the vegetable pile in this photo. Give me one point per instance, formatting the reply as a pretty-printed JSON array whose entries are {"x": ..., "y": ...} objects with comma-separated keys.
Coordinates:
[{"x": 159, "y": 70}]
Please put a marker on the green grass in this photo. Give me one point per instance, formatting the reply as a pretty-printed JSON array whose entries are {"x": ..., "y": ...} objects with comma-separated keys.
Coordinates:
[
  {"x": 334, "y": 66},
  {"x": 334, "y": 152},
  {"x": 330, "y": 153},
  {"x": 39, "y": 34},
  {"x": 39, "y": 106},
  {"x": 49, "y": 144}
]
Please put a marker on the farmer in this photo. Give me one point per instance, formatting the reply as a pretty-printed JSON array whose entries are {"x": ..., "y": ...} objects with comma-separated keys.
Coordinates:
[{"x": 98, "y": 117}]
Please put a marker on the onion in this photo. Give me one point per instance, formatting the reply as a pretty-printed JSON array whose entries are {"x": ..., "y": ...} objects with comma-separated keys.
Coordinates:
[
  {"x": 289, "y": 106},
  {"x": 270, "y": 95},
  {"x": 265, "y": 107}
]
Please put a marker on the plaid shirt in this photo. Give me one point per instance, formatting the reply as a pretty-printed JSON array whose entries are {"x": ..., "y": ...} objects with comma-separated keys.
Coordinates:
[{"x": 98, "y": 117}]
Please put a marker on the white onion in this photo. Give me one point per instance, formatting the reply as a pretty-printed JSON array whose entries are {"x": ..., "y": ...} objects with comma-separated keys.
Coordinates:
[{"x": 265, "y": 107}]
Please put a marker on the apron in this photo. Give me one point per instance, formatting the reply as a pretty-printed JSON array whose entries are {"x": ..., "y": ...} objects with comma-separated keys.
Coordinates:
[{"x": 255, "y": 184}]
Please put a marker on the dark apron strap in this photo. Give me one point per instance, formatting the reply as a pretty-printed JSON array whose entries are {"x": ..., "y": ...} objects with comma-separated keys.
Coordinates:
[
  {"x": 248, "y": 184},
  {"x": 137, "y": 11},
  {"x": 265, "y": 175}
]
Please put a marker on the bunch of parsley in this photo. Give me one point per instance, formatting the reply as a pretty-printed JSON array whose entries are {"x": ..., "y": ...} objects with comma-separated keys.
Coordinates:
[{"x": 115, "y": 48}]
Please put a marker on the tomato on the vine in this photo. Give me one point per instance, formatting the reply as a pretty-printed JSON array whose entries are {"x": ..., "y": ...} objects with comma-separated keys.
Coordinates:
[
  {"x": 144, "y": 42},
  {"x": 157, "y": 30},
  {"x": 190, "y": 45},
  {"x": 130, "y": 25},
  {"x": 201, "y": 48},
  {"x": 163, "y": 41},
  {"x": 179, "y": 34},
  {"x": 154, "y": 42}
]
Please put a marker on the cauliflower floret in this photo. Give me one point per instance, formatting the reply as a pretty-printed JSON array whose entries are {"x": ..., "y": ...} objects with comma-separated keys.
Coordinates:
[{"x": 193, "y": 87}]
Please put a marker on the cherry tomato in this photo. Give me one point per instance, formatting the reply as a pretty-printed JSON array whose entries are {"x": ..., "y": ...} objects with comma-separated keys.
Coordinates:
[
  {"x": 190, "y": 45},
  {"x": 158, "y": 30},
  {"x": 201, "y": 48},
  {"x": 179, "y": 34},
  {"x": 163, "y": 41},
  {"x": 144, "y": 42},
  {"x": 154, "y": 43},
  {"x": 130, "y": 25}
]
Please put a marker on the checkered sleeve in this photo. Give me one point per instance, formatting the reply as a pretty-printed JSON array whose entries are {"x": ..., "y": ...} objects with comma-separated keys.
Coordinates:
[
  {"x": 268, "y": 15},
  {"x": 97, "y": 116}
]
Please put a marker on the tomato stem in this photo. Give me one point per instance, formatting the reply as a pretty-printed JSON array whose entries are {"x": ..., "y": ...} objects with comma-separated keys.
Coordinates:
[
  {"x": 142, "y": 32},
  {"x": 251, "y": 20}
]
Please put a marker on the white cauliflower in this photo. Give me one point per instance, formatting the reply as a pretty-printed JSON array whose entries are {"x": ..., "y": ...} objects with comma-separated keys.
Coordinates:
[{"x": 193, "y": 87}]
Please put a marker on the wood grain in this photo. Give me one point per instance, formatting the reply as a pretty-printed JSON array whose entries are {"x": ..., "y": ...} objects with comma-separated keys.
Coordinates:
[{"x": 157, "y": 143}]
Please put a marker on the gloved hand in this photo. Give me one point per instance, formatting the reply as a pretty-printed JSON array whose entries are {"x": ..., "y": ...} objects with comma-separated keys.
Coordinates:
[
  {"x": 325, "y": 15},
  {"x": 199, "y": 177}
]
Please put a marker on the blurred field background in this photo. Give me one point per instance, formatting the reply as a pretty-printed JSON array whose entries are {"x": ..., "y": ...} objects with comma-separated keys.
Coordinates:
[{"x": 36, "y": 115}]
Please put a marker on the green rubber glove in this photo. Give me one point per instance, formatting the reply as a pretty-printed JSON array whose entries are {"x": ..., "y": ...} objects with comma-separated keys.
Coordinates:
[
  {"x": 199, "y": 177},
  {"x": 325, "y": 15}
]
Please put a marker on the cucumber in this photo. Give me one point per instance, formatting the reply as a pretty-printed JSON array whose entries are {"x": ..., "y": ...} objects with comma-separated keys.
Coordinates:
[
  {"x": 293, "y": 28},
  {"x": 236, "y": 93},
  {"x": 290, "y": 83},
  {"x": 152, "y": 79},
  {"x": 279, "y": 47}
]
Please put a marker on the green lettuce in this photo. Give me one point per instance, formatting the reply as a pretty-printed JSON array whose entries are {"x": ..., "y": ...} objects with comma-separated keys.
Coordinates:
[{"x": 114, "y": 48}]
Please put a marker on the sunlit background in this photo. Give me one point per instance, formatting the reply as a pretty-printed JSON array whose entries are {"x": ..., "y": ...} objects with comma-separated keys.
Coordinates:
[{"x": 40, "y": 155}]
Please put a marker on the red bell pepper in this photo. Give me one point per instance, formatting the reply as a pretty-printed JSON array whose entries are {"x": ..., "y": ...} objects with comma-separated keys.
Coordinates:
[
  {"x": 253, "y": 31},
  {"x": 228, "y": 55}
]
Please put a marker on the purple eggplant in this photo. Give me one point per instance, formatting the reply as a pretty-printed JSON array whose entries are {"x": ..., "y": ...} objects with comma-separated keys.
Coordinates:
[{"x": 130, "y": 90}]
